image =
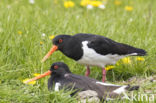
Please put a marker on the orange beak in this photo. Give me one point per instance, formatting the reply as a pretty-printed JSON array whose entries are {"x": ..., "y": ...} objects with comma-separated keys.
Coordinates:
[
  {"x": 52, "y": 50},
  {"x": 38, "y": 77}
]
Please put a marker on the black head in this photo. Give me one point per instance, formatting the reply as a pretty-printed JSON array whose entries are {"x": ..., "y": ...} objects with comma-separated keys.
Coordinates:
[
  {"x": 59, "y": 68},
  {"x": 61, "y": 40},
  {"x": 59, "y": 43}
]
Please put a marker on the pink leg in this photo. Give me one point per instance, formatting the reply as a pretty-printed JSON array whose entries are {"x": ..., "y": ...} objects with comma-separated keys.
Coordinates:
[
  {"x": 87, "y": 71},
  {"x": 103, "y": 74}
]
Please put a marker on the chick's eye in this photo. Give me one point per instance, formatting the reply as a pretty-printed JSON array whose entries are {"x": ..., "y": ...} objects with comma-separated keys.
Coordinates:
[
  {"x": 55, "y": 67},
  {"x": 60, "y": 40}
]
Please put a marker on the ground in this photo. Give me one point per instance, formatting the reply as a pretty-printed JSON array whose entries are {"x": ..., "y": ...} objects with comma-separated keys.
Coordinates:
[{"x": 25, "y": 28}]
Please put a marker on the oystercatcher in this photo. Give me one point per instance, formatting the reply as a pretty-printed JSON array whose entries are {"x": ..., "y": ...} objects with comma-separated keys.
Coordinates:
[
  {"x": 62, "y": 78},
  {"x": 92, "y": 50}
]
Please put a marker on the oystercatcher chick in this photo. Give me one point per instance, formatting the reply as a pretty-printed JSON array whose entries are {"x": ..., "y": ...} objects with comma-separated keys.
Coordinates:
[
  {"x": 62, "y": 78},
  {"x": 92, "y": 50}
]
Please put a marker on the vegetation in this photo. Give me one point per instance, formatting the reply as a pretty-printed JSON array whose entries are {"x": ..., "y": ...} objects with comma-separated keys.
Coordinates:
[{"x": 26, "y": 30}]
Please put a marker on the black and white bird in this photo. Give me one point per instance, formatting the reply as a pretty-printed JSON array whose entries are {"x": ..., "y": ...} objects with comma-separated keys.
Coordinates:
[
  {"x": 92, "y": 50},
  {"x": 62, "y": 78}
]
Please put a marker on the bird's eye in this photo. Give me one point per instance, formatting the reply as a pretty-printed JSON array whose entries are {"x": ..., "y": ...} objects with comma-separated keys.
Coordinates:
[
  {"x": 55, "y": 67},
  {"x": 60, "y": 40}
]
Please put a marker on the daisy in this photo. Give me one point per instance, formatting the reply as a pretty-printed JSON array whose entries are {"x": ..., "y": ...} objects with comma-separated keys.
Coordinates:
[
  {"x": 69, "y": 4},
  {"x": 126, "y": 60},
  {"x": 36, "y": 74},
  {"x": 109, "y": 67},
  {"x": 102, "y": 6},
  {"x": 140, "y": 59},
  {"x": 89, "y": 7},
  {"x": 128, "y": 8},
  {"x": 20, "y": 32},
  {"x": 31, "y": 1},
  {"x": 43, "y": 34},
  {"x": 32, "y": 82},
  {"x": 51, "y": 37}
]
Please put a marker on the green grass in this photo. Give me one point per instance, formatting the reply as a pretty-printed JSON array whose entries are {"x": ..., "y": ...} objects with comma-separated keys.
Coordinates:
[{"x": 20, "y": 55}]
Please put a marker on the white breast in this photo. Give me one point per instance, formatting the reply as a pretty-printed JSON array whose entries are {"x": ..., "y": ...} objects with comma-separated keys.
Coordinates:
[
  {"x": 120, "y": 90},
  {"x": 90, "y": 57},
  {"x": 57, "y": 85}
]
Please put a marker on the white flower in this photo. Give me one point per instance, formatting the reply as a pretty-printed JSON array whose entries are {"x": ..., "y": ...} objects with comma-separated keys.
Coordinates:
[
  {"x": 131, "y": 19},
  {"x": 102, "y": 6},
  {"x": 89, "y": 7},
  {"x": 77, "y": 17},
  {"x": 1, "y": 30},
  {"x": 31, "y": 1},
  {"x": 8, "y": 6},
  {"x": 43, "y": 34}
]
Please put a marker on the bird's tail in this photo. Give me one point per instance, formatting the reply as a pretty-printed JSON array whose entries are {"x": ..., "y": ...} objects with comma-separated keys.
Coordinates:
[
  {"x": 138, "y": 52},
  {"x": 131, "y": 88}
]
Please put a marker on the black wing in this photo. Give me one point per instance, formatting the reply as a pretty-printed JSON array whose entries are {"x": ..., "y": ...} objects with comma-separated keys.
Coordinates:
[
  {"x": 78, "y": 82},
  {"x": 104, "y": 46},
  {"x": 51, "y": 82},
  {"x": 82, "y": 83}
]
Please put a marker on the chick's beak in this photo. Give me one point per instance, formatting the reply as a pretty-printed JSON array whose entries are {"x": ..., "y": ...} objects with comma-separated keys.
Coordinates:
[
  {"x": 38, "y": 77},
  {"x": 52, "y": 50}
]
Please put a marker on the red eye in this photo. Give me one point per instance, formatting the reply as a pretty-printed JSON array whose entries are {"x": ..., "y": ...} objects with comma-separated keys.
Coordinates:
[
  {"x": 60, "y": 40},
  {"x": 55, "y": 67}
]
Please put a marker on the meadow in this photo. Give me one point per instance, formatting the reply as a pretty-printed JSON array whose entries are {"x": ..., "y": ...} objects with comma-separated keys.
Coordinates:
[{"x": 26, "y": 31}]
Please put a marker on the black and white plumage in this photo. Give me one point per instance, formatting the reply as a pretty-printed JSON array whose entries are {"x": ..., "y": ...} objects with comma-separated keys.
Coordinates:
[
  {"x": 94, "y": 50},
  {"x": 62, "y": 78}
]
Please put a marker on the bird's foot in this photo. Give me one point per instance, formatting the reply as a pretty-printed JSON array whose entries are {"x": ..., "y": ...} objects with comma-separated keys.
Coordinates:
[
  {"x": 87, "y": 71},
  {"x": 103, "y": 74}
]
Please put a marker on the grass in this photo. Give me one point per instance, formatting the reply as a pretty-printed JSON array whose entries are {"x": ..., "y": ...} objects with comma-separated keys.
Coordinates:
[{"x": 21, "y": 54}]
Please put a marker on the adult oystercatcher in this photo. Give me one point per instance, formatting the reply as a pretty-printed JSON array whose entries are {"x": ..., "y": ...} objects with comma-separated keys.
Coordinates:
[
  {"x": 62, "y": 78},
  {"x": 92, "y": 50}
]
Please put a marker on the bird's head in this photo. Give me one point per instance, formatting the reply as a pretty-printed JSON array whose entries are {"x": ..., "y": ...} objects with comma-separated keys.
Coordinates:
[
  {"x": 58, "y": 68},
  {"x": 58, "y": 43}
]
